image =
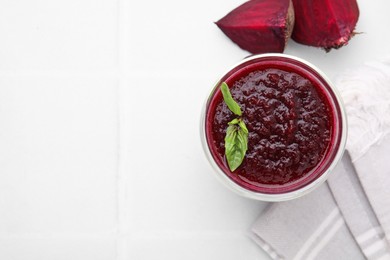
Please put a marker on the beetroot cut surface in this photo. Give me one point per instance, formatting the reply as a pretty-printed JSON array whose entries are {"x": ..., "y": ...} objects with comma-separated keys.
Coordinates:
[
  {"x": 260, "y": 26},
  {"x": 325, "y": 23}
]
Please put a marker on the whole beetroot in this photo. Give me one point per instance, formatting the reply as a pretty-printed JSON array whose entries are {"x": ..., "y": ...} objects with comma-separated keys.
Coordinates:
[
  {"x": 325, "y": 23},
  {"x": 260, "y": 26}
]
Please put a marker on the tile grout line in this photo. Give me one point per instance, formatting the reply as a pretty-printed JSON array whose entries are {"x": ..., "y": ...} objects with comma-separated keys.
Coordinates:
[
  {"x": 121, "y": 146},
  {"x": 120, "y": 198},
  {"x": 112, "y": 73},
  {"x": 59, "y": 235}
]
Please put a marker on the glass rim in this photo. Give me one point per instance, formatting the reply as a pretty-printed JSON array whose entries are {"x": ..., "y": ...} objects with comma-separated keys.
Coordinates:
[{"x": 240, "y": 190}]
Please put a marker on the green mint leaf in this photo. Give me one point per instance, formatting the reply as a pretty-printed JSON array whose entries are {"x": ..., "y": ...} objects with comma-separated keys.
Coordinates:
[
  {"x": 243, "y": 140},
  {"x": 236, "y": 139},
  {"x": 227, "y": 97},
  {"x": 235, "y": 121},
  {"x": 236, "y": 145},
  {"x": 231, "y": 135},
  {"x": 243, "y": 126}
]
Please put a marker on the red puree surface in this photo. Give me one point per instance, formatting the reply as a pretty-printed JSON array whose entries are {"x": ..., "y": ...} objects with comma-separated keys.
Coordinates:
[{"x": 289, "y": 121}]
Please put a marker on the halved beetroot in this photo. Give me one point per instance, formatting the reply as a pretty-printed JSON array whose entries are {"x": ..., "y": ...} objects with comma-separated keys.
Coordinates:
[
  {"x": 325, "y": 23},
  {"x": 260, "y": 26}
]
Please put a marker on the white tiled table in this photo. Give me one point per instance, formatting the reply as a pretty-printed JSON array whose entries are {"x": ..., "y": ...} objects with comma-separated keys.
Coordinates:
[{"x": 100, "y": 155}]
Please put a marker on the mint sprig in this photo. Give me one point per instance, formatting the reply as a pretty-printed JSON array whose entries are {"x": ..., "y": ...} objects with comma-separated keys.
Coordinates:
[
  {"x": 227, "y": 97},
  {"x": 236, "y": 139}
]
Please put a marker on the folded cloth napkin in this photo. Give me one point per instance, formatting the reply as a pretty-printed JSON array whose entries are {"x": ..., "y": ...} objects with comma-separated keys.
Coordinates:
[{"x": 349, "y": 216}]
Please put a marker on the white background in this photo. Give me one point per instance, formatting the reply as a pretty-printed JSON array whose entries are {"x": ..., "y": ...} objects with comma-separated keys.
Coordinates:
[{"x": 100, "y": 155}]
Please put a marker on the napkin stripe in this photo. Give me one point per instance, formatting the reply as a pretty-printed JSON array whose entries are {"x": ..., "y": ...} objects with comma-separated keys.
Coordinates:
[
  {"x": 326, "y": 238},
  {"x": 270, "y": 251},
  {"x": 375, "y": 247},
  {"x": 373, "y": 243},
  {"x": 373, "y": 232},
  {"x": 329, "y": 220},
  {"x": 266, "y": 247}
]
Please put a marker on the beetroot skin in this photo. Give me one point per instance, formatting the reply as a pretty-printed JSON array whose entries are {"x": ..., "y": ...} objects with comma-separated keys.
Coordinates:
[
  {"x": 325, "y": 23},
  {"x": 260, "y": 26}
]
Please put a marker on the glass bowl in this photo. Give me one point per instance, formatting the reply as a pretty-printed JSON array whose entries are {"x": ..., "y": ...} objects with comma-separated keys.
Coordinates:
[{"x": 314, "y": 177}]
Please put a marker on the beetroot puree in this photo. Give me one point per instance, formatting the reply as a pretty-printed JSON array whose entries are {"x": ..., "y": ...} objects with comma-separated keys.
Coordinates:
[{"x": 289, "y": 121}]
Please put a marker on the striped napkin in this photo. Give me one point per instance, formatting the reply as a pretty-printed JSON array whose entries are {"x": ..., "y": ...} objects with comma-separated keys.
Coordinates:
[{"x": 349, "y": 216}]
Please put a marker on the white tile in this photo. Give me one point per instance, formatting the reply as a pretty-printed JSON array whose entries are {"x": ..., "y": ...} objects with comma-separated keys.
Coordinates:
[
  {"x": 44, "y": 34},
  {"x": 170, "y": 186},
  {"x": 180, "y": 35},
  {"x": 58, "y": 155},
  {"x": 57, "y": 248},
  {"x": 197, "y": 247}
]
